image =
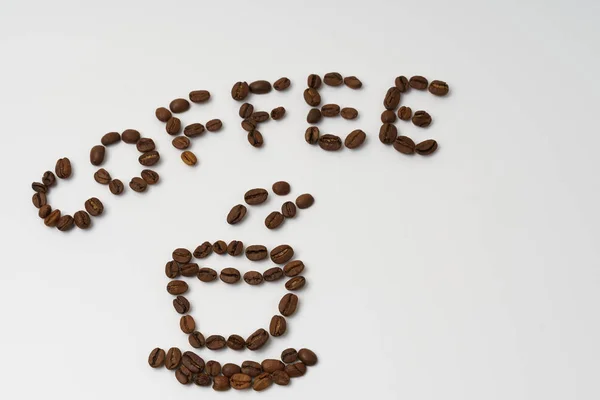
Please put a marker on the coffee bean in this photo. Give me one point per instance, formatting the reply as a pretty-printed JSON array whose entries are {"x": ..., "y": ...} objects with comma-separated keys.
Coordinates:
[
  {"x": 173, "y": 358},
  {"x": 314, "y": 81},
  {"x": 388, "y": 117},
  {"x": 277, "y": 328},
  {"x": 65, "y": 223},
  {"x": 312, "y": 97},
  {"x": 235, "y": 248},
  {"x": 401, "y": 83},
  {"x": 253, "y": 278},
  {"x": 110, "y": 138},
  {"x": 39, "y": 199},
  {"x": 189, "y": 158},
  {"x": 172, "y": 269},
  {"x": 220, "y": 247},
  {"x": 333, "y": 79},
  {"x": 179, "y": 105},
  {"x": 262, "y": 382},
  {"x": 181, "y": 304},
  {"x": 237, "y": 214},
  {"x": 94, "y": 206},
  {"x": 182, "y": 255},
  {"x": 438, "y": 88},
  {"x": 304, "y": 201},
  {"x": 215, "y": 342},
  {"x": 138, "y": 185},
  {"x": 251, "y": 368},
  {"x": 162, "y": 114},
  {"x": 405, "y": 113},
  {"x": 196, "y": 340},
  {"x": 255, "y": 138},
  {"x": 293, "y": 268},
  {"x": 192, "y": 361},
  {"x": 220, "y": 383},
  {"x": 272, "y": 365},
  {"x": 145, "y": 145},
  {"x": 187, "y": 324},
  {"x": 256, "y": 196},
  {"x": 102, "y": 176},
  {"x": 404, "y": 145},
  {"x": 230, "y": 369},
  {"x": 49, "y": 179},
  {"x": 281, "y": 84},
  {"x": 289, "y": 356},
  {"x": 204, "y": 250},
  {"x": 281, "y": 188},
  {"x": 330, "y": 110},
  {"x": 173, "y": 126},
  {"x": 288, "y": 209},
  {"x": 183, "y": 375},
  {"x": 44, "y": 211},
  {"x": 214, "y": 125},
  {"x": 82, "y": 219},
  {"x": 257, "y": 339},
  {"x": 288, "y": 304},
  {"x": 392, "y": 98},
  {"x": 295, "y": 370},
  {"x": 295, "y": 283},
  {"x": 190, "y": 269},
  {"x": 421, "y": 119},
  {"x": 249, "y": 124},
  {"x": 418, "y": 82},
  {"x": 312, "y": 135},
  {"x": 260, "y": 116},
  {"x": 116, "y": 186},
  {"x": 63, "y": 168},
  {"x": 239, "y": 91},
  {"x": 280, "y": 378},
  {"x": 181, "y": 142},
  {"x": 130, "y": 136},
  {"x": 192, "y": 130},
  {"x": 149, "y": 159},
  {"x": 426, "y": 147},
  {"x": 308, "y": 357},
  {"x": 388, "y": 133},
  {"x": 97, "y": 154},
  {"x": 246, "y": 110},
  {"x": 151, "y": 177},
  {"x": 274, "y": 220},
  {"x": 352, "y": 82},
  {"x": 206, "y": 274},
  {"x": 330, "y": 142},
  {"x": 314, "y": 116},
  {"x": 349, "y": 113},
  {"x": 273, "y": 274},
  {"x": 202, "y": 380},
  {"x": 236, "y": 342},
  {"x": 240, "y": 381},
  {"x": 199, "y": 96},
  {"x": 39, "y": 187},
  {"x": 230, "y": 275},
  {"x": 156, "y": 359},
  {"x": 256, "y": 252},
  {"x": 213, "y": 368},
  {"x": 277, "y": 113},
  {"x": 260, "y": 87},
  {"x": 177, "y": 287},
  {"x": 355, "y": 139}
]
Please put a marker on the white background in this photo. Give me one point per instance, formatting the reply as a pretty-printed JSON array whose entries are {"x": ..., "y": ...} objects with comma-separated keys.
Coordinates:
[{"x": 471, "y": 274}]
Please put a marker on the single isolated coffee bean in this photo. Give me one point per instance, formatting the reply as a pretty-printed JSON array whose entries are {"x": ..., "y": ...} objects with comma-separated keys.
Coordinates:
[
  {"x": 330, "y": 142},
  {"x": 196, "y": 340},
  {"x": 308, "y": 357},
  {"x": 221, "y": 383},
  {"x": 49, "y": 179},
  {"x": 162, "y": 114},
  {"x": 392, "y": 98},
  {"x": 438, "y": 88},
  {"x": 330, "y": 110},
  {"x": 239, "y": 91},
  {"x": 388, "y": 117},
  {"x": 401, "y": 83},
  {"x": 65, "y": 223},
  {"x": 418, "y": 82},
  {"x": 193, "y": 130},
  {"x": 277, "y": 113},
  {"x": 63, "y": 168},
  {"x": 230, "y": 275},
  {"x": 44, "y": 211},
  {"x": 405, "y": 113},
  {"x": 352, "y": 82},
  {"x": 82, "y": 219},
  {"x": 295, "y": 370},
  {"x": 220, "y": 247},
  {"x": 280, "y": 378},
  {"x": 274, "y": 220},
  {"x": 312, "y": 97},
  {"x": 151, "y": 177},
  {"x": 156, "y": 359},
  {"x": 187, "y": 324},
  {"x": 102, "y": 176},
  {"x": 39, "y": 199},
  {"x": 288, "y": 304},
  {"x": 199, "y": 96},
  {"x": 181, "y": 305},
  {"x": 182, "y": 255},
  {"x": 246, "y": 110},
  {"x": 230, "y": 369},
  {"x": 39, "y": 187},
  {"x": 293, "y": 268},
  {"x": 149, "y": 159},
  {"x": 249, "y": 124},
  {"x": 388, "y": 133},
  {"x": 426, "y": 147},
  {"x": 262, "y": 382},
  {"x": 145, "y": 145},
  {"x": 281, "y": 188},
  {"x": 235, "y": 248},
  {"x": 240, "y": 381},
  {"x": 256, "y": 252},
  {"x": 273, "y": 274},
  {"x": 251, "y": 368},
  {"x": 256, "y": 196},
  {"x": 304, "y": 201},
  {"x": 215, "y": 342},
  {"x": 295, "y": 283},
  {"x": 314, "y": 116},
  {"x": 173, "y": 358},
  {"x": 260, "y": 87},
  {"x": 110, "y": 138},
  {"x": 94, "y": 206},
  {"x": 190, "y": 269},
  {"x": 257, "y": 339},
  {"x": 333, "y": 79},
  {"x": 355, "y": 139},
  {"x": 189, "y": 158},
  {"x": 237, "y": 214},
  {"x": 181, "y": 142},
  {"x": 235, "y": 342},
  {"x": 404, "y": 145},
  {"x": 282, "y": 254},
  {"x": 272, "y": 365},
  {"x": 277, "y": 327},
  {"x": 289, "y": 356},
  {"x": 253, "y": 278},
  {"x": 116, "y": 186},
  {"x": 260, "y": 116},
  {"x": 312, "y": 134},
  {"x": 172, "y": 270},
  {"x": 130, "y": 136},
  {"x": 281, "y": 84},
  {"x": 179, "y": 105},
  {"x": 97, "y": 154},
  {"x": 177, "y": 287},
  {"x": 137, "y": 184},
  {"x": 288, "y": 209},
  {"x": 422, "y": 119},
  {"x": 207, "y": 274},
  {"x": 214, "y": 125},
  {"x": 173, "y": 126},
  {"x": 314, "y": 81},
  {"x": 202, "y": 379},
  {"x": 255, "y": 138},
  {"x": 349, "y": 113},
  {"x": 204, "y": 250}
]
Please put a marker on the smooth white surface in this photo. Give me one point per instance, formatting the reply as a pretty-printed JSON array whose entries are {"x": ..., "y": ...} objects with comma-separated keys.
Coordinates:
[{"x": 469, "y": 275}]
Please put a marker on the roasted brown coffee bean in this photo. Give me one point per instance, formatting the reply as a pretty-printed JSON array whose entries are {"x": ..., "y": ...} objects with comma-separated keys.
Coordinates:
[
  {"x": 388, "y": 133},
  {"x": 255, "y": 138},
  {"x": 438, "y": 88},
  {"x": 271, "y": 365},
  {"x": 102, "y": 176},
  {"x": 260, "y": 116},
  {"x": 274, "y": 220},
  {"x": 253, "y": 278},
  {"x": 162, "y": 114},
  {"x": 421, "y": 119},
  {"x": 94, "y": 206},
  {"x": 295, "y": 283},
  {"x": 181, "y": 305},
  {"x": 199, "y": 96},
  {"x": 189, "y": 158},
  {"x": 304, "y": 201},
  {"x": 204, "y": 250},
  {"x": 130, "y": 136},
  {"x": 192, "y": 130},
  {"x": 190, "y": 269},
  {"x": 256, "y": 196},
  {"x": 240, "y": 381},
  {"x": 116, "y": 186},
  {"x": 235, "y": 248},
  {"x": 196, "y": 340},
  {"x": 281, "y": 84},
  {"x": 249, "y": 124},
  {"x": 63, "y": 168},
  {"x": 251, "y": 368},
  {"x": 237, "y": 214},
  {"x": 156, "y": 359},
  {"x": 193, "y": 362},
  {"x": 312, "y": 97},
  {"x": 236, "y": 342},
  {"x": 138, "y": 185},
  {"x": 221, "y": 383},
  {"x": 65, "y": 223},
  {"x": 257, "y": 339},
  {"x": 230, "y": 369},
  {"x": 52, "y": 219},
  {"x": 295, "y": 370},
  {"x": 213, "y": 368},
  {"x": 256, "y": 252},
  {"x": 173, "y": 358},
  {"x": 314, "y": 116},
  {"x": 418, "y": 82},
  {"x": 289, "y": 356},
  {"x": 349, "y": 113},
  {"x": 202, "y": 379},
  {"x": 177, "y": 287},
  {"x": 183, "y": 375},
  {"x": 352, "y": 82},
  {"x": 260, "y": 87},
  {"x": 44, "y": 211},
  {"x": 388, "y": 117},
  {"x": 314, "y": 81},
  {"x": 401, "y": 83},
  {"x": 145, "y": 145},
  {"x": 277, "y": 327},
  {"x": 214, "y": 125},
  {"x": 281, "y": 188},
  {"x": 330, "y": 142},
  {"x": 355, "y": 139},
  {"x": 173, "y": 126},
  {"x": 215, "y": 342},
  {"x": 308, "y": 357},
  {"x": 97, "y": 154},
  {"x": 239, "y": 91},
  {"x": 280, "y": 378},
  {"x": 182, "y": 255},
  {"x": 288, "y": 304},
  {"x": 179, "y": 106},
  {"x": 172, "y": 269},
  {"x": 405, "y": 113},
  {"x": 39, "y": 199},
  {"x": 39, "y": 187},
  {"x": 149, "y": 159},
  {"x": 151, "y": 177},
  {"x": 312, "y": 135},
  {"x": 273, "y": 274},
  {"x": 49, "y": 179},
  {"x": 110, "y": 138},
  {"x": 230, "y": 275},
  {"x": 262, "y": 382},
  {"x": 404, "y": 145},
  {"x": 181, "y": 142},
  {"x": 330, "y": 110},
  {"x": 288, "y": 209},
  {"x": 293, "y": 268},
  {"x": 277, "y": 113},
  {"x": 206, "y": 274},
  {"x": 333, "y": 79},
  {"x": 392, "y": 98},
  {"x": 246, "y": 110},
  {"x": 82, "y": 219},
  {"x": 426, "y": 147},
  {"x": 220, "y": 247}
]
